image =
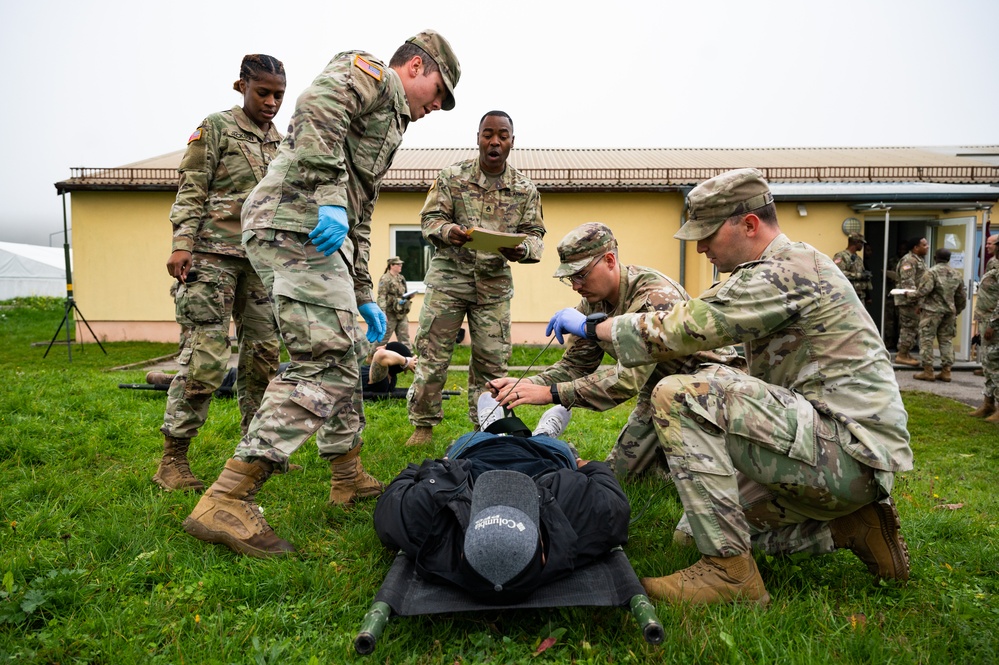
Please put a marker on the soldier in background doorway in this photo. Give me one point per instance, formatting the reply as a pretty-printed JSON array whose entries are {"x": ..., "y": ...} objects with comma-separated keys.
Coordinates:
[{"x": 910, "y": 272}]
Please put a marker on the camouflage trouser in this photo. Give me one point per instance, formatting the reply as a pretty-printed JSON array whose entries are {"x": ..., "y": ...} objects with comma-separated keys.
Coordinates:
[
  {"x": 398, "y": 324},
  {"x": 941, "y": 326},
  {"x": 637, "y": 447},
  {"x": 440, "y": 320},
  {"x": 990, "y": 365},
  {"x": 755, "y": 465},
  {"x": 891, "y": 323},
  {"x": 226, "y": 288},
  {"x": 908, "y": 327},
  {"x": 319, "y": 392}
]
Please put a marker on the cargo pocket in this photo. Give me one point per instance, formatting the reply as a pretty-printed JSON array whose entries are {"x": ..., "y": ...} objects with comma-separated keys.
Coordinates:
[
  {"x": 313, "y": 399},
  {"x": 700, "y": 457}
]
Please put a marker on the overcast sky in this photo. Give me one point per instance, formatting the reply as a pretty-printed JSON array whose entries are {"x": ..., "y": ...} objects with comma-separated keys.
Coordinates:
[{"x": 102, "y": 83}]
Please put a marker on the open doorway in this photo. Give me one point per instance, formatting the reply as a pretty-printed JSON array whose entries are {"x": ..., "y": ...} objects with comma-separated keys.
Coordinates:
[{"x": 881, "y": 256}]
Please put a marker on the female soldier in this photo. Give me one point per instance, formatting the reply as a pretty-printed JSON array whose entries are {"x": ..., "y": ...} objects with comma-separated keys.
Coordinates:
[
  {"x": 226, "y": 157},
  {"x": 392, "y": 300}
]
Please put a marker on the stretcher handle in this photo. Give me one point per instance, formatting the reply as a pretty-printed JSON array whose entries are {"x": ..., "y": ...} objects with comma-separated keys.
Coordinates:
[
  {"x": 372, "y": 627},
  {"x": 645, "y": 614}
]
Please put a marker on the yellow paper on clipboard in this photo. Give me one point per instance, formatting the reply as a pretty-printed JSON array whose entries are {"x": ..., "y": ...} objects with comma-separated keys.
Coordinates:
[{"x": 484, "y": 240}]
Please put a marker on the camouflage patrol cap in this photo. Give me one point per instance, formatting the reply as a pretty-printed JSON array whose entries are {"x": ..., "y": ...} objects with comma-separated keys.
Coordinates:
[
  {"x": 856, "y": 239},
  {"x": 393, "y": 260},
  {"x": 581, "y": 244},
  {"x": 715, "y": 200},
  {"x": 438, "y": 48}
]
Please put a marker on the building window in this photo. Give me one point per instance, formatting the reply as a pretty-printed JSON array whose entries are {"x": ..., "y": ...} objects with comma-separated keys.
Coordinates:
[{"x": 408, "y": 244}]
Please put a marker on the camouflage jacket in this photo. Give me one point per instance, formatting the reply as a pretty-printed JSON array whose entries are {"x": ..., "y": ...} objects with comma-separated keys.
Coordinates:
[
  {"x": 226, "y": 157},
  {"x": 391, "y": 289},
  {"x": 461, "y": 195},
  {"x": 583, "y": 381},
  {"x": 992, "y": 264},
  {"x": 852, "y": 266},
  {"x": 941, "y": 290},
  {"x": 803, "y": 328},
  {"x": 343, "y": 135},
  {"x": 987, "y": 302},
  {"x": 910, "y": 270}
]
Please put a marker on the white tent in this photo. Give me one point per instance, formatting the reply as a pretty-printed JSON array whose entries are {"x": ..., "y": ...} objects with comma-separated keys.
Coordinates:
[{"x": 31, "y": 270}]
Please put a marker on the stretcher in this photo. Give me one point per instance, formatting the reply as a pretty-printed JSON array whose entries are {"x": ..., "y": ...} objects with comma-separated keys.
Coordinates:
[{"x": 609, "y": 582}]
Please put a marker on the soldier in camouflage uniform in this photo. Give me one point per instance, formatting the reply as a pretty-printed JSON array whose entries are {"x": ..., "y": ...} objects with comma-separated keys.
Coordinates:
[
  {"x": 487, "y": 193},
  {"x": 852, "y": 265},
  {"x": 320, "y": 189},
  {"x": 942, "y": 297},
  {"x": 590, "y": 266},
  {"x": 910, "y": 272},
  {"x": 987, "y": 317},
  {"x": 391, "y": 289},
  {"x": 801, "y": 454},
  {"x": 226, "y": 157}
]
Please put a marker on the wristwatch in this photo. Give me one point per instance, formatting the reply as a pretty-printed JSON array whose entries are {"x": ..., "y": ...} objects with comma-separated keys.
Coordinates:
[{"x": 591, "y": 324}]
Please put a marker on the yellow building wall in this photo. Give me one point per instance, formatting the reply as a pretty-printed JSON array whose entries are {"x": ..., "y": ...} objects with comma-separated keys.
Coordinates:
[
  {"x": 121, "y": 242},
  {"x": 643, "y": 223}
]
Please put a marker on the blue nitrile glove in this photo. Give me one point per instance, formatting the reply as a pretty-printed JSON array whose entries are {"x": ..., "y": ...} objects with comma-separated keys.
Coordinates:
[
  {"x": 402, "y": 301},
  {"x": 567, "y": 320},
  {"x": 375, "y": 318},
  {"x": 331, "y": 229}
]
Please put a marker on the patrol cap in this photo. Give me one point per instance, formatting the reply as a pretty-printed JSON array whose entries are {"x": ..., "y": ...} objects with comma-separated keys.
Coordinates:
[
  {"x": 715, "y": 200},
  {"x": 581, "y": 244},
  {"x": 856, "y": 239},
  {"x": 438, "y": 48},
  {"x": 394, "y": 260}
]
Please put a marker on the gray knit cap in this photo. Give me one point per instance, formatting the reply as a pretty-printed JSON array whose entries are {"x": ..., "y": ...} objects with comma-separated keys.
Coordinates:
[{"x": 502, "y": 535}]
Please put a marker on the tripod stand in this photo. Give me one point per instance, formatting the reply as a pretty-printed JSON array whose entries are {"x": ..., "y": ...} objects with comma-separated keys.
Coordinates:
[{"x": 71, "y": 305}]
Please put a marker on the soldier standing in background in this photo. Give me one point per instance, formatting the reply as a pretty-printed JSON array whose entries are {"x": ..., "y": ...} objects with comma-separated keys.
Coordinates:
[
  {"x": 852, "y": 265},
  {"x": 226, "y": 157},
  {"x": 910, "y": 272},
  {"x": 891, "y": 311},
  {"x": 800, "y": 454},
  {"x": 306, "y": 228},
  {"x": 987, "y": 317},
  {"x": 591, "y": 267},
  {"x": 488, "y": 193},
  {"x": 942, "y": 297},
  {"x": 391, "y": 289}
]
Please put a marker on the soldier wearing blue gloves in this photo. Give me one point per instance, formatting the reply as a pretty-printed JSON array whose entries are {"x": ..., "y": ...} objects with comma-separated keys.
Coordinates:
[{"x": 306, "y": 229}]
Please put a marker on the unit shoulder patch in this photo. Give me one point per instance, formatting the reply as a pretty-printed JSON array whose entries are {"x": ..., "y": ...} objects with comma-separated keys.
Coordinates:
[
  {"x": 372, "y": 70},
  {"x": 196, "y": 136}
]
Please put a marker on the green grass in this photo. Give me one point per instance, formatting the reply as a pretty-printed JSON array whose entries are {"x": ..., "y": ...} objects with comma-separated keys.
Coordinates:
[{"x": 94, "y": 567}]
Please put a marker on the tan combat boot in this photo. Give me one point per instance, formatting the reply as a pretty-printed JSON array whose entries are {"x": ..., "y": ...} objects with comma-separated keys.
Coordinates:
[
  {"x": 926, "y": 375},
  {"x": 874, "y": 534},
  {"x": 903, "y": 358},
  {"x": 994, "y": 418},
  {"x": 174, "y": 473},
  {"x": 228, "y": 513},
  {"x": 944, "y": 375},
  {"x": 421, "y": 436},
  {"x": 713, "y": 579},
  {"x": 350, "y": 481},
  {"x": 987, "y": 408}
]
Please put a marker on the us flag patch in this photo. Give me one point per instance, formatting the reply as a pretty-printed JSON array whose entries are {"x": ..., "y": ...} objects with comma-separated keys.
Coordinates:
[
  {"x": 374, "y": 71},
  {"x": 196, "y": 136}
]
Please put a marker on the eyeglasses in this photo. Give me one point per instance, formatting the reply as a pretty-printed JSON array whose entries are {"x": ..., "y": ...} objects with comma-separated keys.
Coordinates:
[{"x": 580, "y": 277}]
